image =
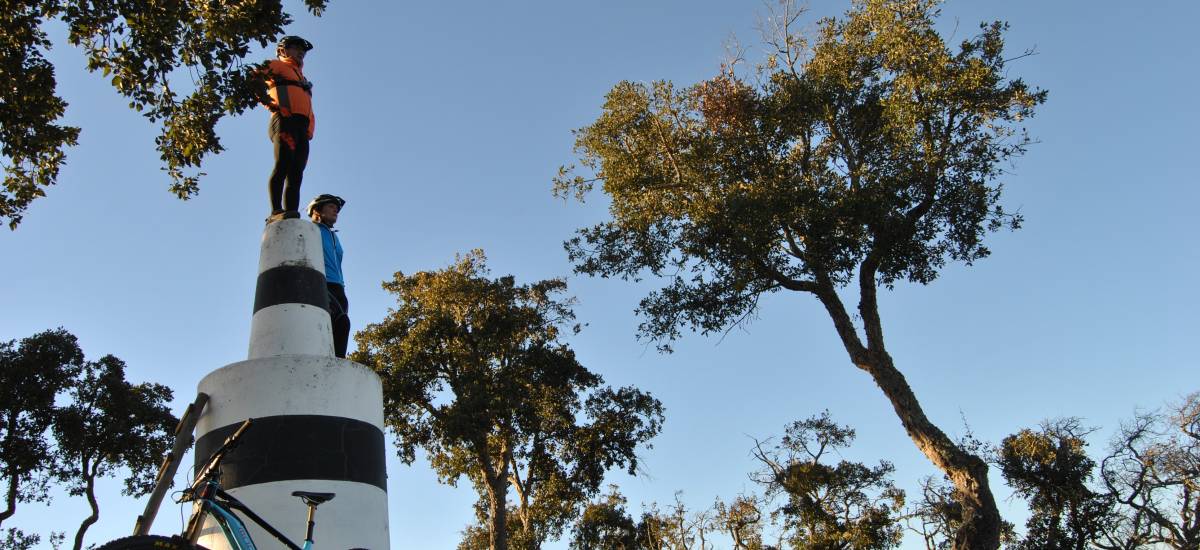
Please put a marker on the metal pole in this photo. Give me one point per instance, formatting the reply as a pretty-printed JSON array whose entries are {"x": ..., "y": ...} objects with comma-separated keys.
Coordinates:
[{"x": 170, "y": 465}]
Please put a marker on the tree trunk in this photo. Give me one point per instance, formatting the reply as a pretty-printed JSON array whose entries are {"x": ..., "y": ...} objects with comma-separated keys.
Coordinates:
[
  {"x": 497, "y": 493},
  {"x": 980, "y": 527},
  {"x": 90, "y": 492},
  {"x": 10, "y": 500},
  {"x": 523, "y": 489},
  {"x": 497, "y": 513}
]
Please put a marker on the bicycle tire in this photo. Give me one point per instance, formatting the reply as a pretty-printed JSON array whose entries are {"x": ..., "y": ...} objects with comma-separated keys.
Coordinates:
[{"x": 150, "y": 542}]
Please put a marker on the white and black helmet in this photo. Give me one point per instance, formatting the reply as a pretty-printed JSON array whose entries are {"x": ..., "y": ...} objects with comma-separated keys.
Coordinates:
[{"x": 325, "y": 199}]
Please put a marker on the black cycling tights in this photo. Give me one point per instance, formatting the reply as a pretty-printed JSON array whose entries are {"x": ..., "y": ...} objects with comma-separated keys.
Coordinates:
[
  {"x": 339, "y": 309},
  {"x": 290, "y": 137}
]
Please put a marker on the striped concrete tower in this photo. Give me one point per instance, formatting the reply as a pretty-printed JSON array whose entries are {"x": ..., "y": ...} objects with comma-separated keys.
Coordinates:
[{"x": 318, "y": 419}]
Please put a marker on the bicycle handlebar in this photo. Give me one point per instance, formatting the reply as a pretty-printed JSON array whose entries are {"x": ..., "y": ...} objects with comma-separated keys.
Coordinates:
[{"x": 214, "y": 461}]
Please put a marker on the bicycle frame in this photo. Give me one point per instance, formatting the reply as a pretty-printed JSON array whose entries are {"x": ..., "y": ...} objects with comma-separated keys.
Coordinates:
[{"x": 213, "y": 501}]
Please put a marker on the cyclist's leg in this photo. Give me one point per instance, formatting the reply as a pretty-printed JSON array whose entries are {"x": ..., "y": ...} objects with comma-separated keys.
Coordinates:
[
  {"x": 297, "y": 129},
  {"x": 284, "y": 158},
  {"x": 339, "y": 308}
]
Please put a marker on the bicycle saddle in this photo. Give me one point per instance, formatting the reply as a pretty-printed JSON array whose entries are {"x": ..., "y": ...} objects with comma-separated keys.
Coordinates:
[{"x": 313, "y": 499}]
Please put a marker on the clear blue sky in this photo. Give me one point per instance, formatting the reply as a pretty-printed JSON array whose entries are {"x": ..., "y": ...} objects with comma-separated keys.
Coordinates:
[{"x": 442, "y": 124}]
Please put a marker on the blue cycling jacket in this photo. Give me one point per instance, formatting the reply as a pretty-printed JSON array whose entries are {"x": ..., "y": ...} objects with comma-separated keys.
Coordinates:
[{"x": 333, "y": 255}]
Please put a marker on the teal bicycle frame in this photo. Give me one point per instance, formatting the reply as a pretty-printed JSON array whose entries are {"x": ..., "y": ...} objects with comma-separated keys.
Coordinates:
[{"x": 211, "y": 500}]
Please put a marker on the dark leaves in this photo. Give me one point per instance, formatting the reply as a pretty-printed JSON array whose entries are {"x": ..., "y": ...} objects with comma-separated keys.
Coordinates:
[{"x": 145, "y": 49}]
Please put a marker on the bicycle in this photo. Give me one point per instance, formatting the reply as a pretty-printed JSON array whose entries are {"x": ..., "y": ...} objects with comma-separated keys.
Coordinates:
[{"x": 210, "y": 500}]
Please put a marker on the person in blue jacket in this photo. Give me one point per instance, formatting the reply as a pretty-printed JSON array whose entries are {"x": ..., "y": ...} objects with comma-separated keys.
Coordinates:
[{"x": 324, "y": 211}]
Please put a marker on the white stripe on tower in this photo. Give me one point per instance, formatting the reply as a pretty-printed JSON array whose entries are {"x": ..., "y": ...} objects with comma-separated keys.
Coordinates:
[
  {"x": 318, "y": 419},
  {"x": 291, "y": 308}
]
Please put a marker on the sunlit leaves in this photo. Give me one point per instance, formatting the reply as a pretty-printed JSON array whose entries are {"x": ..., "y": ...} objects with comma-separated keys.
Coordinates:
[
  {"x": 475, "y": 372},
  {"x": 847, "y": 505},
  {"x": 879, "y": 150}
]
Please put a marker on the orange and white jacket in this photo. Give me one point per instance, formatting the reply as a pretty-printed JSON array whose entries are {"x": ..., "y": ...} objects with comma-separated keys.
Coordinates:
[{"x": 286, "y": 85}]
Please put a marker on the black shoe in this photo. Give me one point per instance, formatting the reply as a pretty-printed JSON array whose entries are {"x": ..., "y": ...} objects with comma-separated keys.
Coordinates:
[{"x": 291, "y": 215}]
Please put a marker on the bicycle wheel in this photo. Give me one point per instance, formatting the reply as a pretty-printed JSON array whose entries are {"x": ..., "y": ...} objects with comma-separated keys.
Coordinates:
[{"x": 150, "y": 542}]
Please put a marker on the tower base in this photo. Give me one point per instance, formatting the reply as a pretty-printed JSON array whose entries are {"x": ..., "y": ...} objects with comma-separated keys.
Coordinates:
[{"x": 318, "y": 427}]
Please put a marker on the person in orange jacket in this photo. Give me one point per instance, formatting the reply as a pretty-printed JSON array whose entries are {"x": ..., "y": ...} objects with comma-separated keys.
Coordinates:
[{"x": 291, "y": 127}]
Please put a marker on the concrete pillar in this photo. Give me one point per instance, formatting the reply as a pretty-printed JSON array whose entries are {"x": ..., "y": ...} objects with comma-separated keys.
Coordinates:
[{"x": 318, "y": 419}]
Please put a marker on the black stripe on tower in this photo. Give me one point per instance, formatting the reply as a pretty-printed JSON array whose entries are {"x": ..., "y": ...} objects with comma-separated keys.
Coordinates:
[
  {"x": 296, "y": 447},
  {"x": 291, "y": 284}
]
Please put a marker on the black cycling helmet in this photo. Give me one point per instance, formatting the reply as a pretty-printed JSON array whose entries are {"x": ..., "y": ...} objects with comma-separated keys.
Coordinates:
[
  {"x": 325, "y": 199},
  {"x": 294, "y": 41}
]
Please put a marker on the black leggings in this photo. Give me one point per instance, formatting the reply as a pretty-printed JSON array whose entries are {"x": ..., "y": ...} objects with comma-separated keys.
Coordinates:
[
  {"x": 339, "y": 309},
  {"x": 290, "y": 138}
]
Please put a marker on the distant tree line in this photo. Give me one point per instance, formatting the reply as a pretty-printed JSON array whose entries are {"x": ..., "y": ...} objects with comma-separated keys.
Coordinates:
[
  {"x": 476, "y": 373},
  {"x": 1144, "y": 492},
  {"x": 66, "y": 422}
]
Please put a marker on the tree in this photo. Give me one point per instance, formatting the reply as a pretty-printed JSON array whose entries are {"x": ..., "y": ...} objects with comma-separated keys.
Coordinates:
[
  {"x": 1153, "y": 473},
  {"x": 1051, "y": 470},
  {"x": 937, "y": 514},
  {"x": 16, "y": 539},
  {"x": 33, "y": 374},
  {"x": 109, "y": 426},
  {"x": 830, "y": 507},
  {"x": 868, "y": 159},
  {"x": 742, "y": 520},
  {"x": 605, "y": 525},
  {"x": 658, "y": 531},
  {"x": 666, "y": 530},
  {"x": 139, "y": 44},
  {"x": 475, "y": 373}
]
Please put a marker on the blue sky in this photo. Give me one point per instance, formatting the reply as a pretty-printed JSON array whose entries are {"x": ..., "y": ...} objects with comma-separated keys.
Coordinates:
[{"x": 442, "y": 125}]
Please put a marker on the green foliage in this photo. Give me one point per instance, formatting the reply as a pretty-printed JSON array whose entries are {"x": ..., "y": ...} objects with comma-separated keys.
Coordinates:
[
  {"x": 477, "y": 535},
  {"x": 1050, "y": 468},
  {"x": 742, "y": 519},
  {"x": 879, "y": 152},
  {"x": 605, "y": 525},
  {"x": 110, "y": 426},
  {"x": 869, "y": 158},
  {"x": 145, "y": 48},
  {"x": 659, "y": 530},
  {"x": 33, "y": 373},
  {"x": 830, "y": 507},
  {"x": 101, "y": 424},
  {"x": 16, "y": 539},
  {"x": 474, "y": 373}
]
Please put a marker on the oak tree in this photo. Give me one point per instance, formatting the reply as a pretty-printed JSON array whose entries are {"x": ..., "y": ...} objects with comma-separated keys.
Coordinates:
[
  {"x": 33, "y": 373},
  {"x": 842, "y": 506},
  {"x": 605, "y": 524},
  {"x": 867, "y": 156},
  {"x": 742, "y": 520},
  {"x": 111, "y": 427},
  {"x": 180, "y": 64},
  {"x": 475, "y": 372},
  {"x": 1049, "y": 468}
]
